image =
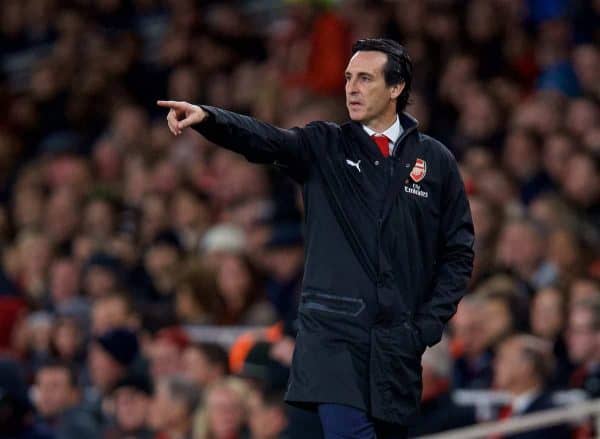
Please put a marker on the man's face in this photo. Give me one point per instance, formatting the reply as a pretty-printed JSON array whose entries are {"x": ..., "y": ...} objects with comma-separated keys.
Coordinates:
[
  {"x": 198, "y": 369},
  {"x": 509, "y": 365},
  {"x": 131, "y": 407},
  {"x": 367, "y": 95},
  {"x": 104, "y": 371},
  {"x": 582, "y": 339},
  {"x": 165, "y": 358},
  {"x": 54, "y": 391},
  {"x": 546, "y": 315},
  {"x": 467, "y": 325},
  {"x": 64, "y": 280},
  {"x": 264, "y": 421},
  {"x": 225, "y": 412}
]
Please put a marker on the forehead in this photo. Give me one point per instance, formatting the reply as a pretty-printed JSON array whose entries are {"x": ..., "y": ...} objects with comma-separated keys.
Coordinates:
[
  {"x": 367, "y": 61},
  {"x": 511, "y": 347},
  {"x": 53, "y": 373}
]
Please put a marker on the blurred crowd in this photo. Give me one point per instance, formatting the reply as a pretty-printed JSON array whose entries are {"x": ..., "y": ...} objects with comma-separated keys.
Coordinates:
[{"x": 118, "y": 239}]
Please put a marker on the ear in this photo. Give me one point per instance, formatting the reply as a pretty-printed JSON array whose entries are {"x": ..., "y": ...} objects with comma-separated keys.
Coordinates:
[{"x": 396, "y": 90}]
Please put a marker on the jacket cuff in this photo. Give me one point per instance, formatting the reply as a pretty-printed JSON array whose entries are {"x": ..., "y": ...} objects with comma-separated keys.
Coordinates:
[{"x": 430, "y": 329}]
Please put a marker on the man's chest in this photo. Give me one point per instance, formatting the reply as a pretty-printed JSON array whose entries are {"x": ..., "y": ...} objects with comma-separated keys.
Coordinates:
[{"x": 412, "y": 183}]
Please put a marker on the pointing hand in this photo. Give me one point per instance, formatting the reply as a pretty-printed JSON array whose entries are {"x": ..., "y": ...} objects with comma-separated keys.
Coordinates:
[{"x": 182, "y": 115}]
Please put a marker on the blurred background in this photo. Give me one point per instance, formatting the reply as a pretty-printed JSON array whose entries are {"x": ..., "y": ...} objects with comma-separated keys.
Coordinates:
[{"x": 148, "y": 283}]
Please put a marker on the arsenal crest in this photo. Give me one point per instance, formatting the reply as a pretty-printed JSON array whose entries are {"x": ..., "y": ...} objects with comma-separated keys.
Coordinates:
[{"x": 419, "y": 170}]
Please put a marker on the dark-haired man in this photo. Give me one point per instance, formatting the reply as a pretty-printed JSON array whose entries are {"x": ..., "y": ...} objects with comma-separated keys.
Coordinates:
[
  {"x": 57, "y": 398},
  {"x": 523, "y": 367},
  {"x": 204, "y": 363},
  {"x": 388, "y": 244}
]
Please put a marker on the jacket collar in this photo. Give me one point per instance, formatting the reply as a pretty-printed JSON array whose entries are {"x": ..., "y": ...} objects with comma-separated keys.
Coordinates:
[{"x": 409, "y": 128}]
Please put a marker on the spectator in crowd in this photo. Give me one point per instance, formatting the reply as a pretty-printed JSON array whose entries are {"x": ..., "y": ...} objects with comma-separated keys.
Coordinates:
[
  {"x": 548, "y": 314},
  {"x": 283, "y": 259},
  {"x": 132, "y": 396},
  {"x": 197, "y": 297},
  {"x": 224, "y": 410},
  {"x": 68, "y": 342},
  {"x": 112, "y": 354},
  {"x": 16, "y": 410},
  {"x": 173, "y": 406},
  {"x": 165, "y": 352},
  {"x": 522, "y": 368},
  {"x": 64, "y": 289},
  {"x": 102, "y": 275},
  {"x": 584, "y": 289},
  {"x": 267, "y": 417},
  {"x": 473, "y": 366},
  {"x": 204, "y": 363},
  {"x": 114, "y": 310},
  {"x": 242, "y": 294},
  {"x": 582, "y": 342},
  {"x": 521, "y": 247},
  {"x": 57, "y": 398}
]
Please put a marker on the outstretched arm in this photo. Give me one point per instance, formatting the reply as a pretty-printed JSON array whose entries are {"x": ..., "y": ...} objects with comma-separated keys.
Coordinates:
[{"x": 258, "y": 141}]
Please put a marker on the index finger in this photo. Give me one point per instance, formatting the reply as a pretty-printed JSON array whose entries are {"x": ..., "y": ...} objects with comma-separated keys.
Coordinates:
[{"x": 171, "y": 104}]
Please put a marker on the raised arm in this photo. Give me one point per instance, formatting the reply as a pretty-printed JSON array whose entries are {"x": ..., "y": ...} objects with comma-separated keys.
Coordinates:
[{"x": 258, "y": 141}]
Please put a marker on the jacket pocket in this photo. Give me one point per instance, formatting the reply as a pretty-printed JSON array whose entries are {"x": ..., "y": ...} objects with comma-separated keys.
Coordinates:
[{"x": 347, "y": 306}]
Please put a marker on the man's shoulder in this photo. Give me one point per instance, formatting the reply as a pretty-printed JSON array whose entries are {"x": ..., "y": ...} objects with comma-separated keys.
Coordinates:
[{"x": 436, "y": 147}]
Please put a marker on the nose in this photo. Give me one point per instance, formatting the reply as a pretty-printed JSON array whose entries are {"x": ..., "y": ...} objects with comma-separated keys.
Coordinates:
[{"x": 351, "y": 87}]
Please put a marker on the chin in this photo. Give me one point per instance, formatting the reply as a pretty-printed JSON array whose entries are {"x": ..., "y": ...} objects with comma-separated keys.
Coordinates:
[{"x": 356, "y": 116}]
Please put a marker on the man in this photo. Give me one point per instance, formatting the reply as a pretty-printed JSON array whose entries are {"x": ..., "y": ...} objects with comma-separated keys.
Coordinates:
[
  {"x": 132, "y": 396},
  {"x": 522, "y": 367},
  {"x": 204, "y": 363},
  {"x": 111, "y": 357},
  {"x": 115, "y": 310},
  {"x": 267, "y": 416},
  {"x": 583, "y": 341},
  {"x": 56, "y": 400},
  {"x": 388, "y": 244},
  {"x": 173, "y": 406}
]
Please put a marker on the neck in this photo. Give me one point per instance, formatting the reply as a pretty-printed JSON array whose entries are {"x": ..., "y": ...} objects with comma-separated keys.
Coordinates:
[
  {"x": 383, "y": 122},
  {"x": 519, "y": 390}
]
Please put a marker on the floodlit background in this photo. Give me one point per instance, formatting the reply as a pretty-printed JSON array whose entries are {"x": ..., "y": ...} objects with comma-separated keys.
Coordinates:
[{"x": 142, "y": 274}]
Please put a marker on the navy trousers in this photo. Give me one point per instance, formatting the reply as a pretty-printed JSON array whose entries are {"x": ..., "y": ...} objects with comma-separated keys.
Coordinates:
[{"x": 345, "y": 422}]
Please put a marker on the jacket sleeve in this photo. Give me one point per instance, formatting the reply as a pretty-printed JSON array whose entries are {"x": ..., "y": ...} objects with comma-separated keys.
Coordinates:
[
  {"x": 258, "y": 141},
  {"x": 454, "y": 261}
]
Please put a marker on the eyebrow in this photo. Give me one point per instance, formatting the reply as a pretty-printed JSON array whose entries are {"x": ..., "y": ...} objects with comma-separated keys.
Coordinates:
[{"x": 347, "y": 72}]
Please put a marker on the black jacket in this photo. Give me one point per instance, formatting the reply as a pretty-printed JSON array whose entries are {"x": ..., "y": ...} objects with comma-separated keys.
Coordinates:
[
  {"x": 386, "y": 258},
  {"x": 541, "y": 403},
  {"x": 441, "y": 414}
]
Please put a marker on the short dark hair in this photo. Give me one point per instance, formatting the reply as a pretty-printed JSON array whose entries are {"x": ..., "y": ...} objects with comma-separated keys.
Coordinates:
[
  {"x": 397, "y": 69},
  {"x": 539, "y": 353},
  {"x": 55, "y": 363},
  {"x": 215, "y": 354}
]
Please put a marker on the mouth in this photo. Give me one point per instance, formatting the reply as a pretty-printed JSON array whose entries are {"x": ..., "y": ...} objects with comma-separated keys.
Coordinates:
[{"x": 354, "y": 104}]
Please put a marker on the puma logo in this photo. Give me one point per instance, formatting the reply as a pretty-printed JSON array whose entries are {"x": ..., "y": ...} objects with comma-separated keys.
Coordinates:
[{"x": 356, "y": 165}]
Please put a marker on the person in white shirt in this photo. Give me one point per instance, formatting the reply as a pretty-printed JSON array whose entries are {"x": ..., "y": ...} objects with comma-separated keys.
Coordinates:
[{"x": 522, "y": 367}]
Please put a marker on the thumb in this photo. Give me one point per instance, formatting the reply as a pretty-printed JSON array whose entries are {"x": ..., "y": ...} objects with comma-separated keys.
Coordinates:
[
  {"x": 190, "y": 120},
  {"x": 194, "y": 115}
]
